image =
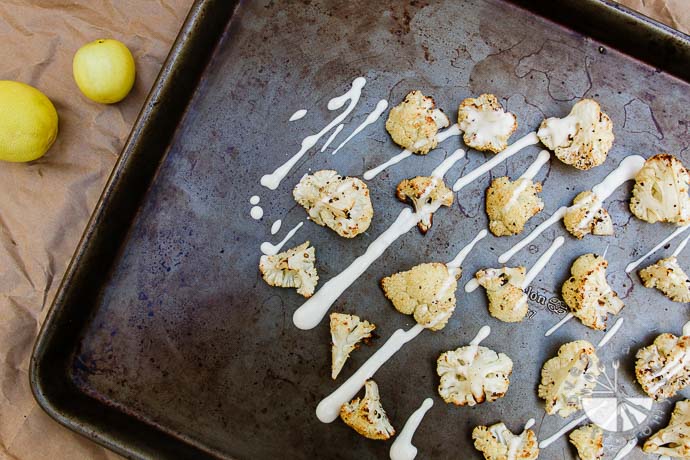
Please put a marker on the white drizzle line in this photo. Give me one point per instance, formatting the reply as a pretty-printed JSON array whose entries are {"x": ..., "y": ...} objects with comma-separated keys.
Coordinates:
[
  {"x": 257, "y": 212},
  {"x": 530, "y": 423},
  {"x": 332, "y": 137},
  {"x": 686, "y": 328},
  {"x": 627, "y": 448},
  {"x": 610, "y": 333},
  {"x": 460, "y": 258},
  {"x": 275, "y": 228},
  {"x": 298, "y": 115},
  {"x": 512, "y": 149},
  {"x": 626, "y": 170},
  {"x": 483, "y": 333},
  {"x": 550, "y": 440},
  {"x": 272, "y": 249},
  {"x": 633, "y": 265},
  {"x": 542, "y": 261},
  {"x": 329, "y": 408},
  {"x": 315, "y": 308},
  {"x": 564, "y": 320},
  {"x": 381, "y": 107},
  {"x": 273, "y": 180},
  {"x": 472, "y": 285},
  {"x": 440, "y": 137},
  {"x": 681, "y": 246},
  {"x": 402, "y": 448},
  {"x": 254, "y": 200},
  {"x": 527, "y": 177}
]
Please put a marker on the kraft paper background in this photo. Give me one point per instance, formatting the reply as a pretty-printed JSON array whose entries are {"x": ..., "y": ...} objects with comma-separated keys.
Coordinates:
[{"x": 44, "y": 205}]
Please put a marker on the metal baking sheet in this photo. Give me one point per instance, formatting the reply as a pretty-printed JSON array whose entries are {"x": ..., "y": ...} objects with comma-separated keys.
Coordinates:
[{"x": 165, "y": 343}]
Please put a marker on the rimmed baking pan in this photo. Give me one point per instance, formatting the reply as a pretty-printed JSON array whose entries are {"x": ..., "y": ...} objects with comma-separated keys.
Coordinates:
[{"x": 163, "y": 341}]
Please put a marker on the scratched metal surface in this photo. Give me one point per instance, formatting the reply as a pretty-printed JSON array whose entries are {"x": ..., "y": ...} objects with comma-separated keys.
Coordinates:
[{"x": 186, "y": 334}]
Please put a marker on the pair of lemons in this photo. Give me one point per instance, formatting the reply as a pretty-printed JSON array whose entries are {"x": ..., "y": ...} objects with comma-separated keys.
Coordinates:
[{"x": 104, "y": 71}]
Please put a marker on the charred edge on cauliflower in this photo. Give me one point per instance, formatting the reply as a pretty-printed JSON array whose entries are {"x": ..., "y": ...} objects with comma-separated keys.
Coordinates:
[
  {"x": 587, "y": 216},
  {"x": 663, "y": 368},
  {"x": 293, "y": 268},
  {"x": 589, "y": 442},
  {"x": 347, "y": 331},
  {"x": 507, "y": 300},
  {"x": 485, "y": 124},
  {"x": 366, "y": 416},
  {"x": 668, "y": 277},
  {"x": 660, "y": 193},
  {"x": 497, "y": 442},
  {"x": 674, "y": 440}
]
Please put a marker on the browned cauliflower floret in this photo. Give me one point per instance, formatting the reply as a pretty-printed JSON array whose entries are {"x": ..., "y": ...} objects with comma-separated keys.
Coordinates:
[
  {"x": 511, "y": 204},
  {"x": 340, "y": 203},
  {"x": 485, "y": 124},
  {"x": 414, "y": 122},
  {"x": 667, "y": 276},
  {"x": 663, "y": 368},
  {"x": 293, "y": 268},
  {"x": 582, "y": 139},
  {"x": 589, "y": 442},
  {"x": 674, "y": 440},
  {"x": 569, "y": 376},
  {"x": 660, "y": 193},
  {"x": 587, "y": 216},
  {"x": 497, "y": 442},
  {"x": 426, "y": 291},
  {"x": 366, "y": 416},
  {"x": 422, "y": 191},
  {"x": 346, "y": 333},
  {"x": 472, "y": 374},
  {"x": 507, "y": 300},
  {"x": 587, "y": 292}
]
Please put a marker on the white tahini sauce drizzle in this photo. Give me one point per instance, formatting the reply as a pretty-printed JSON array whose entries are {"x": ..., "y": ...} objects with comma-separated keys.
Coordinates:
[
  {"x": 512, "y": 149},
  {"x": 381, "y": 107},
  {"x": 332, "y": 137},
  {"x": 257, "y": 212},
  {"x": 273, "y": 180},
  {"x": 402, "y": 448},
  {"x": 627, "y": 448},
  {"x": 530, "y": 423},
  {"x": 254, "y": 200},
  {"x": 610, "y": 333},
  {"x": 527, "y": 177},
  {"x": 472, "y": 285},
  {"x": 272, "y": 249},
  {"x": 329, "y": 408},
  {"x": 460, "y": 258},
  {"x": 440, "y": 137},
  {"x": 569, "y": 426},
  {"x": 542, "y": 261},
  {"x": 298, "y": 115},
  {"x": 681, "y": 246},
  {"x": 686, "y": 328},
  {"x": 626, "y": 170},
  {"x": 275, "y": 228},
  {"x": 633, "y": 265},
  {"x": 564, "y": 320},
  {"x": 483, "y": 333},
  {"x": 313, "y": 310}
]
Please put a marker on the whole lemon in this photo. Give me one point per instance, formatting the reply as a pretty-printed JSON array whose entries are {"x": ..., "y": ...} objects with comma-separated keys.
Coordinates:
[
  {"x": 104, "y": 70},
  {"x": 28, "y": 122}
]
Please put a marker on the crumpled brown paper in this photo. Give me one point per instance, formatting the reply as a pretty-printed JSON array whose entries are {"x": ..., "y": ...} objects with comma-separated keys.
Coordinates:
[{"x": 45, "y": 205}]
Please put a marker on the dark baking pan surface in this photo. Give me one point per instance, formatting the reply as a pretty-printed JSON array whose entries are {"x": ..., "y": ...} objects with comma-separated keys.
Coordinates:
[{"x": 164, "y": 342}]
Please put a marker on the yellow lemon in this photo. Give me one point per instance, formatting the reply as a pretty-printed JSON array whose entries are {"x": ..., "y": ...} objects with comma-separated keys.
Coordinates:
[
  {"x": 104, "y": 70},
  {"x": 28, "y": 122}
]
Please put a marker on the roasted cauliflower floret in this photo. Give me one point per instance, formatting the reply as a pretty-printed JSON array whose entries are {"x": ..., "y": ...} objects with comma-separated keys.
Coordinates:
[
  {"x": 346, "y": 333},
  {"x": 366, "y": 416},
  {"x": 340, "y": 203},
  {"x": 582, "y": 139},
  {"x": 663, "y": 368},
  {"x": 587, "y": 216},
  {"x": 569, "y": 376},
  {"x": 589, "y": 442},
  {"x": 422, "y": 192},
  {"x": 426, "y": 291},
  {"x": 667, "y": 276},
  {"x": 472, "y": 374},
  {"x": 587, "y": 292},
  {"x": 511, "y": 204},
  {"x": 293, "y": 268},
  {"x": 660, "y": 193},
  {"x": 674, "y": 440},
  {"x": 507, "y": 300},
  {"x": 485, "y": 124},
  {"x": 497, "y": 442},
  {"x": 414, "y": 123}
]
